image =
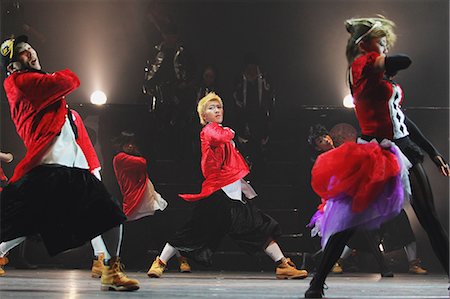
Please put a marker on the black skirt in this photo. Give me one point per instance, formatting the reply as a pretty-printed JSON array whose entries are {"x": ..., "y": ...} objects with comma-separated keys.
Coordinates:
[
  {"x": 66, "y": 206},
  {"x": 217, "y": 216}
]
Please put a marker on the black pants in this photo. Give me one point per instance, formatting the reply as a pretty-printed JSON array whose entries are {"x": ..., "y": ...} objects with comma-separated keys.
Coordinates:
[
  {"x": 217, "y": 216},
  {"x": 423, "y": 204}
]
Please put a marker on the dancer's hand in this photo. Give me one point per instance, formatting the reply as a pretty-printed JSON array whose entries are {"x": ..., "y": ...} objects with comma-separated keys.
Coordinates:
[
  {"x": 6, "y": 157},
  {"x": 442, "y": 164},
  {"x": 242, "y": 140}
]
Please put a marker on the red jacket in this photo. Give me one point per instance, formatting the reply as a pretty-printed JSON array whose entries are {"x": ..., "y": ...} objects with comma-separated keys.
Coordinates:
[
  {"x": 131, "y": 173},
  {"x": 222, "y": 164},
  {"x": 85, "y": 143},
  {"x": 38, "y": 110}
]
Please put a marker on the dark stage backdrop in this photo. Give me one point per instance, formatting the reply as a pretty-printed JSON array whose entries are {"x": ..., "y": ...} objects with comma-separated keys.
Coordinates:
[{"x": 301, "y": 45}]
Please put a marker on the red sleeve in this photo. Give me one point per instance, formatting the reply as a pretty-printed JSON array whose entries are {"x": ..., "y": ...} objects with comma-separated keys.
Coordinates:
[
  {"x": 216, "y": 134},
  {"x": 43, "y": 90},
  {"x": 364, "y": 67},
  {"x": 85, "y": 142},
  {"x": 2, "y": 175}
]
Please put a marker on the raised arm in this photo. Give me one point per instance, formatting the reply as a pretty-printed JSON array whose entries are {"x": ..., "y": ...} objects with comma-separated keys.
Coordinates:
[
  {"x": 217, "y": 135},
  {"x": 43, "y": 90}
]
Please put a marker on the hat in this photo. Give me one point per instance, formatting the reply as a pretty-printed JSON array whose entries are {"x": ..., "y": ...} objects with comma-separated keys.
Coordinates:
[
  {"x": 315, "y": 132},
  {"x": 124, "y": 138},
  {"x": 7, "y": 49}
]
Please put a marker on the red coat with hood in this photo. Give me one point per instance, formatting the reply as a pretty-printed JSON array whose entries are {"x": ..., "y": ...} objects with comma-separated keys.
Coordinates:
[{"x": 222, "y": 164}]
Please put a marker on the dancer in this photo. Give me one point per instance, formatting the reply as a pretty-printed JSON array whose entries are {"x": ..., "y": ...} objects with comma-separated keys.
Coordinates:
[
  {"x": 52, "y": 192},
  {"x": 139, "y": 196},
  {"x": 377, "y": 104},
  {"x": 394, "y": 234},
  {"x": 221, "y": 209},
  {"x": 97, "y": 243},
  {"x": 321, "y": 141}
]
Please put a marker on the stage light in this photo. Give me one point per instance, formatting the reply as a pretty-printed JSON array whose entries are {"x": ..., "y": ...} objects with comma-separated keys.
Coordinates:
[
  {"x": 98, "y": 97},
  {"x": 348, "y": 101}
]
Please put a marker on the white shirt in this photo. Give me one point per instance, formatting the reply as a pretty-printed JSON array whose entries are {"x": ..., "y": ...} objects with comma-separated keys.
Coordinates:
[
  {"x": 65, "y": 150},
  {"x": 235, "y": 190}
]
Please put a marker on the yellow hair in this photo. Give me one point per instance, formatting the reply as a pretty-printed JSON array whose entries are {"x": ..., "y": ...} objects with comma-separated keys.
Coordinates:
[
  {"x": 201, "y": 107},
  {"x": 362, "y": 29}
]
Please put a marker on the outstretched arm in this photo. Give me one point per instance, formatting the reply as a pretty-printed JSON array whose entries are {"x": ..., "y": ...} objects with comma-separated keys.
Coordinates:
[
  {"x": 392, "y": 64},
  {"x": 417, "y": 136}
]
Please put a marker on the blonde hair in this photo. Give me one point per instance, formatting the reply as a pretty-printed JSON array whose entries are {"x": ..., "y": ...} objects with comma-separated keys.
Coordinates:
[
  {"x": 363, "y": 29},
  {"x": 201, "y": 107}
]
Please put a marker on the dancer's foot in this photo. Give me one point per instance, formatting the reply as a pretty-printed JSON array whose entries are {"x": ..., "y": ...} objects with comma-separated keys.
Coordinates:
[
  {"x": 184, "y": 265},
  {"x": 286, "y": 270},
  {"x": 157, "y": 268},
  {"x": 113, "y": 278},
  {"x": 97, "y": 266}
]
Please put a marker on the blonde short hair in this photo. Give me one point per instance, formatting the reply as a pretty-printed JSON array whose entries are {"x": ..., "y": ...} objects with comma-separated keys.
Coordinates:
[
  {"x": 362, "y": 29},
  {"x": 201, "y": 107}
]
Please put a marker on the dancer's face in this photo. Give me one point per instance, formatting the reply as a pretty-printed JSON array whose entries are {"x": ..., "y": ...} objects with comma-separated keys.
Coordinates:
[
  {"x": 28, "y": 56},
  {"x": 131, "y": 149},
  {"x": 324, "y": 143},
  {"x": 213, "y": 112},
  {"x": 376, "y": 44}
]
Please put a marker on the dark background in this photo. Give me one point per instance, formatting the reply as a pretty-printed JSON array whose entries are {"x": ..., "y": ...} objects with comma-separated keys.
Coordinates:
[{"x": 301, "y": 45}]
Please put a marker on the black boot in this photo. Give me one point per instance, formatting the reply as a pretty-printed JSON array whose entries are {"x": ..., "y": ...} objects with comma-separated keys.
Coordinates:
[
  {"x": 21, "y": 262},
  {"x": 315, "y": 289},
  {"x": 371, "y": 238},
  {"x": 331, "y": 254}
]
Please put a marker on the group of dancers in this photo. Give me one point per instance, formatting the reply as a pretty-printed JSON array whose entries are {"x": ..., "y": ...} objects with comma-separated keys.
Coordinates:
[{"x": 56, "y": 189}]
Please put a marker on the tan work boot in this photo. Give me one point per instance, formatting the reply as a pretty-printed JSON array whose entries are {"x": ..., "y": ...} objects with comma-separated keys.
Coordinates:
[
  {"x": 287, "y": 270},
  {"x": 157, "y": 268},
  {"x": 3, "y": 261},
  {"x": 337, "y": 268},
  {"x": 184, "y": 265},
  {"x": 113, "y": 278},
  {"x": 97, "y": 266},
  {"x": 416, "y": 268}
]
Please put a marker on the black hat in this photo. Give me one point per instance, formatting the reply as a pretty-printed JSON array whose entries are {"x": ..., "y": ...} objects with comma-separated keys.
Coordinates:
[
  {"x": 8, "y": 49},
  {"x": 315, "y": 132},
  {"x": 124, "y": 138}
]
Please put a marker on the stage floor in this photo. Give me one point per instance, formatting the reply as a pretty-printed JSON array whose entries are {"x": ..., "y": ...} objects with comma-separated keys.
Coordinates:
[{"x": 76, "y": 284}]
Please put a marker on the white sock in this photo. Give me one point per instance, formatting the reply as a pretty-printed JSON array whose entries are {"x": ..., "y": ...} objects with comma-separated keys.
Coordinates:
[
  {"x": 346, "y": 252},
  {"x": 274, "y": 251},
  {"x": 119, "y": 246},
  {"x": 5, "y": 247},
  {"x": 411, "y": 251},
  {"x": 98, "y": 245},
  {"x": 167, "y": 253}
]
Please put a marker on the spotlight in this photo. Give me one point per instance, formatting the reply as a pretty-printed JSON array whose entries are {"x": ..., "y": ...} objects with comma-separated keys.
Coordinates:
[
  {"x": 98, "y": 97},
  {"x": 348, "y": 101}
]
